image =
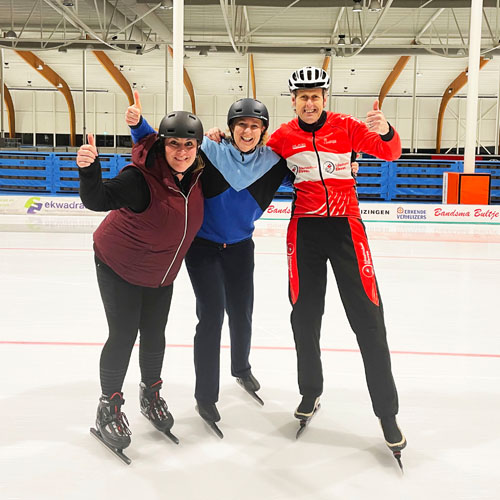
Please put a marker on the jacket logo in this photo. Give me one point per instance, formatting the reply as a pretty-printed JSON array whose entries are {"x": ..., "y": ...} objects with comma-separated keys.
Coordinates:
[
  {"x": 294, "y": 169},
  {"x": 330, "y": 141},
  {"x": 298, "y": 146},
  {"x": 329, "y": 167}
]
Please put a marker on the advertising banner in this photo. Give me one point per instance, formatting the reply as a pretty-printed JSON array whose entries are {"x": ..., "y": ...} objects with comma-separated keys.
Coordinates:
[{"x": 280, "y": 210}]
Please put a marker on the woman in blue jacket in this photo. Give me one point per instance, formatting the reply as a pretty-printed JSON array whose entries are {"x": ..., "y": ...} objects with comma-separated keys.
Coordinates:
[{"x": 239, "y": 180}]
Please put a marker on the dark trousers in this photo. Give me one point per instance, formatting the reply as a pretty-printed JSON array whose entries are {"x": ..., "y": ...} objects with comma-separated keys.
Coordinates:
[
  {"x": 312, "y": 242},
  {"x": 222, "y": 279},
  {"x": 129, "y": 309}
]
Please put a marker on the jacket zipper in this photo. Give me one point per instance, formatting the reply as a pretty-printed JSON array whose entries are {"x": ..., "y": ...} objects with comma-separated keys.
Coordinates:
[
  {"x": 186, "y": 197},
  {"x": 321, "y": 175}
]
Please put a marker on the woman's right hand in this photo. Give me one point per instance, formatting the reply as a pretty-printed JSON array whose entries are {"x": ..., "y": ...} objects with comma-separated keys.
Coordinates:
[
  {"x": 87, "y": 153},
  {"x": 215, "y": 134},
  {"x": 133, "y": 113}
]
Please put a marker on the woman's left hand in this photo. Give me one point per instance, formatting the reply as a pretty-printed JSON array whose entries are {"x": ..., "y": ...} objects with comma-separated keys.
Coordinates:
[{"x": 215, "y": 134}]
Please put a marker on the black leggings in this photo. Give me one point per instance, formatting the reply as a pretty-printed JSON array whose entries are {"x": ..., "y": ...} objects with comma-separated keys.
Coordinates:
[{"x": 129, "y": 309}]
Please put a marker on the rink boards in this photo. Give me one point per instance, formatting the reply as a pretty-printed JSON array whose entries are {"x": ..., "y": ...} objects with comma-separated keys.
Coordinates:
[{"x": 278, "y": 210}]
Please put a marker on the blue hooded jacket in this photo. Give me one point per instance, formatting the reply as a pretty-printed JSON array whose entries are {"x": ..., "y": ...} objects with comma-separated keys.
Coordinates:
[{"x": 237, "y": 187}]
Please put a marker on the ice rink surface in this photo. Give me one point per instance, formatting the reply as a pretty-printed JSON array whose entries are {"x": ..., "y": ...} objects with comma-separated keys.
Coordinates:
[{"x": 440, "y": 287}]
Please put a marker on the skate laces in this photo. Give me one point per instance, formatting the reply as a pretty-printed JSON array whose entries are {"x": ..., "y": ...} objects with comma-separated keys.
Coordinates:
[
  {"x": 120, "y": 424},
  {"x": 115, "y": 418},
  {"x": 159, "y": 407}
]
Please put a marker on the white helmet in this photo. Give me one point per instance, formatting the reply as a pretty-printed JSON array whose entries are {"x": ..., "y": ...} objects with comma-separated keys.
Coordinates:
[{"x": 309, "y": 77}]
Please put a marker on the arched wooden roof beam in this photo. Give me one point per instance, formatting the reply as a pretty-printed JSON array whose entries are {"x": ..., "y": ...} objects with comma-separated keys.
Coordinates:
[
  {"x": 10, "y": 111},
  {"x": 459, "y": 82},
  {"x": 51, "y": 76},
  {"x": 391, "y": 79},
  {"x": 326, "y": 63},
  {"x": 116, "y": 74},
  {"x": 187, "y": 83},
  {"x": 252, "y": 77}
]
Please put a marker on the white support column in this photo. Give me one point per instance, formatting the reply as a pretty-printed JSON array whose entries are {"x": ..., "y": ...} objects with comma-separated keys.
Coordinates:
[
  {"x": 331, "y": 83},
  {"x": 115, "y": 143},
  {"x": 166, "y": 79},
  {"x": 84, "y": 96},
  {"x": 33, "y": 116},
  {"x": 413, "y": 105},
  {"x": 54, "y": 119},
  {"x": 178, "y": 49},
  {"x": 497, "y": 122},
  {"x": 2, "y": 97},
  {"x": 476, "y": 13}
]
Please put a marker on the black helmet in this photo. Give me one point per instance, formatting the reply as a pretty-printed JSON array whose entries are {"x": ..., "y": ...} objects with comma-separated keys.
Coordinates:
[
  {"x": 181, "y": 124},
  {"x": 250, "y": 108}
]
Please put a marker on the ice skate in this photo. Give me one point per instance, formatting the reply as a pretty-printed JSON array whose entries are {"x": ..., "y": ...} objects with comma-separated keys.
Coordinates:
[
  {"x": 209, "y": 413},
  {"x": 393, "y": 436},
  {"x": 251, "y": 385},
  {"x": 306, "y": 411},
  {"x": 112, "y": 425},
  {"x": 155, "y": 409}
]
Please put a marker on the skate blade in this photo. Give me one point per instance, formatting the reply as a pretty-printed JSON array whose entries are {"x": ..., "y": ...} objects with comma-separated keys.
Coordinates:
[
  {"x": 166, "y": 433},
  {"x": 214, "y": 428},
  {"x": 115, "y": 451},
  {"x": 252, "y": 393},
  {"x": 305, "y": 422},
  {"x": 170, "y": 436},
  {"x": 302, "y": 428},
  {"x": 397, "y": 456}
]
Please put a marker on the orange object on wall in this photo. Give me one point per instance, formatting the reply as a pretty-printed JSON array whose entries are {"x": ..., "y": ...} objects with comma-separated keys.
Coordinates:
[{"x": 466, "y": 189}]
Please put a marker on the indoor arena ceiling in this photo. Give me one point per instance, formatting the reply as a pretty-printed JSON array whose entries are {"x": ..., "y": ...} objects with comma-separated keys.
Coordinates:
[{"x": 345, "y": 27}]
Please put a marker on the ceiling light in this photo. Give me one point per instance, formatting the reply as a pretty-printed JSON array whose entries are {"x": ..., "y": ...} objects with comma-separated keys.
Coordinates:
[
  {"x": 375, "y": 6},
  {"x": 212, "y": 48},
  {"x": 357, "y": 7},
  {"x": 203, "y": 52},
  {"x": 10, "y": 35},
  {"x": 68, "y": 3},
  {"x": 166, "y": 4},
  {"x": 460, "y": 52},
  {"x": 62, "y": 49},
  {"x": 341, "y": 40},
  {"x": 356, "y": 42},
  {"x": 186, "y": 56}
]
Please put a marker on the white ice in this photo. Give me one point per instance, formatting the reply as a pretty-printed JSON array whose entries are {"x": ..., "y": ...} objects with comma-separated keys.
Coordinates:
[{"x": 439, "y": 284}]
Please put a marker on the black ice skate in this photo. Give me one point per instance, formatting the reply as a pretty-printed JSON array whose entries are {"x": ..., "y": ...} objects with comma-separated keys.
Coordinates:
[
  {"x": 112, "y": 425},
  {"x": 306, "y": 411},
  {"x": 251, "y": 385},
  {"x": 155, "y": 409},
  {"x": 209, "y": 413},
  {"x": 393, "y": 436}
]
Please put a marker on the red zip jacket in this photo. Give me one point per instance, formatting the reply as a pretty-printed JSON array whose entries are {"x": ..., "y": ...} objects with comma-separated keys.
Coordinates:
[
  {"x": 321, "y": 162},
  {"x": 147, "y": 248}
]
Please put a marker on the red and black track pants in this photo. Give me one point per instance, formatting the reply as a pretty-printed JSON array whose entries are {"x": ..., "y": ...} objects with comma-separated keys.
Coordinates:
[{"x": 311, "y": 243}]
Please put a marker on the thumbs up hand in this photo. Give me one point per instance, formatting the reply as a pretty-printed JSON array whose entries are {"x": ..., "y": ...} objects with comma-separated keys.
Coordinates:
[
  {"x": 375, "y": 120},
  {"x": 87, "y": 153},
  {"x": 133, "y": 113}
]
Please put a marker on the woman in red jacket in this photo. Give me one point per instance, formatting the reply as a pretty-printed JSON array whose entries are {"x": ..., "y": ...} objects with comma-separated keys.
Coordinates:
[{"x": 156, "y": 208}]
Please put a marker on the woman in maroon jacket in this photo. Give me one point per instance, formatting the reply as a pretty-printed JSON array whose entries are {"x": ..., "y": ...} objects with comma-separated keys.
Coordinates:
[{"x": 156, "y": 208}]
